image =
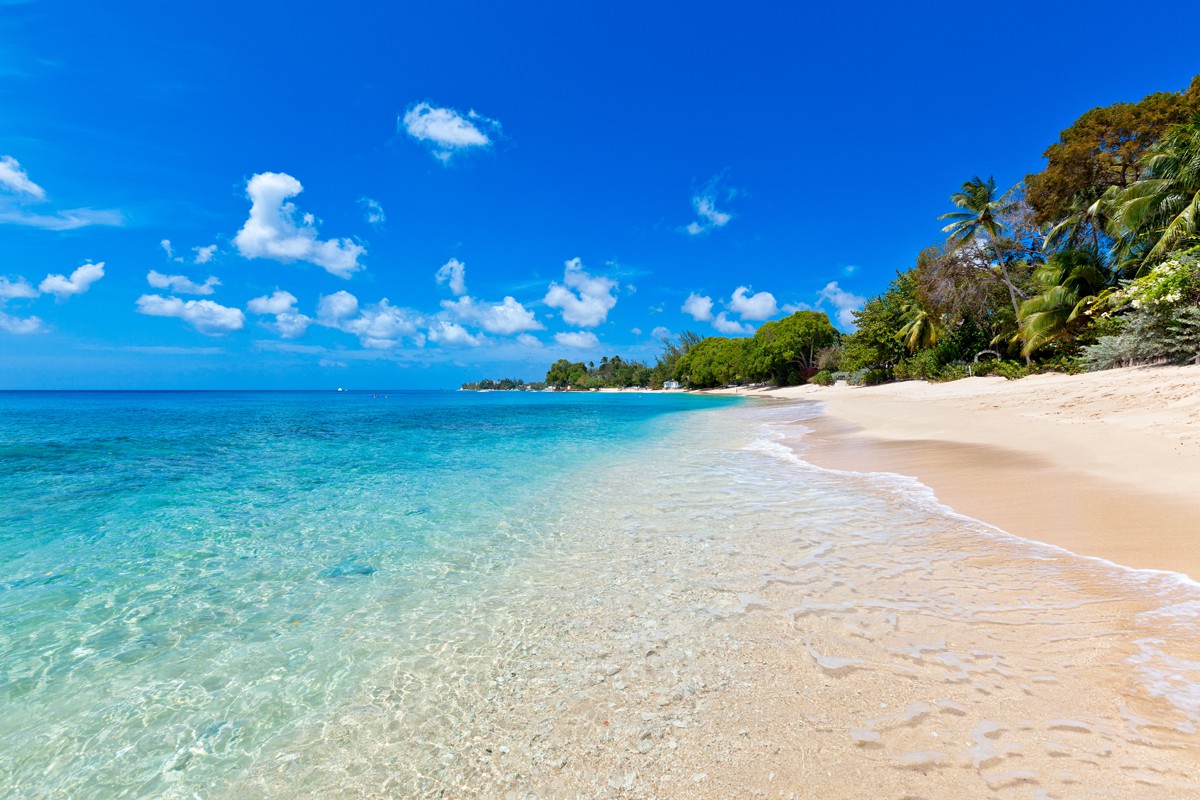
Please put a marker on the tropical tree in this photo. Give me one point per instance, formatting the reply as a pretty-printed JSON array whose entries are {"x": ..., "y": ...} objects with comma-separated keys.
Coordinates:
[
  {"x": 1102, "y": 149},
  {"x": 921, "y": 329},
  {"x": 786, "y": 350},
  {"x": 980, "y": 215},
  {"x": 1163, "y": 210},
  {"x": 1071, "y": 281}
]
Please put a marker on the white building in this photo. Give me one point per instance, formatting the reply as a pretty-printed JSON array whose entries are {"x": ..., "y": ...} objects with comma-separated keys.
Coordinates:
[{"x": 672, "y": 385}]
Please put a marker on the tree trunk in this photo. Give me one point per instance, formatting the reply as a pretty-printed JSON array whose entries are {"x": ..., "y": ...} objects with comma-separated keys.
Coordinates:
[{"x": 1012, "y": 292}]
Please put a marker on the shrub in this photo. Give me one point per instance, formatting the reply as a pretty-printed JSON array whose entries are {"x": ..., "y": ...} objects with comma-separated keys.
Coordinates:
[
  {"x": 822, "y": 378},
  {"x": 952, "y": 372}
]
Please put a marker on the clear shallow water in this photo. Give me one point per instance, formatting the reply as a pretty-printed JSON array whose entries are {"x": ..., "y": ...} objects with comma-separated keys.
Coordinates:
[
  {"x": 469, "y": 595},
  {"x": 185, "y": 577}
]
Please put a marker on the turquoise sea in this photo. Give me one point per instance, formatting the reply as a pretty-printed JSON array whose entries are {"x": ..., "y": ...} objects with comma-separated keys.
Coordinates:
[
  {"x": 185, "y": 576},
  {"x": 450, "y": 594}
]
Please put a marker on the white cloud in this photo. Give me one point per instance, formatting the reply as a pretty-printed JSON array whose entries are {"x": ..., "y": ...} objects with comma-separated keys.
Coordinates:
[
  {"x": 379, "y": 327},
  {"x": 81, "y": 279},
  {"x": 328, "y": 362},
  {"x": 203, "y": 315},
  {"x": 21, "y": 189},
  {"x": 181, "y": 284},
  {"x": 375, "y": 215},
  {"x": 584, "y": 299},
  {"x": 271, "y": 230},
  {"x": 13, "y": 178},
  {"x": 451, "y": 333},
  {"x": 761, "y": 305},
  {"x": 447, "y": 131},
  {"x": 636, "y": 331},
  {"x": 289, "y": 323},
  {"x": 660, "y": 332},
  {"x": 849, "y": 270},
  {"x": 844, "y": 304},
  {"x": 699, "y": 307},
  {"x": 726, "y": 325},
  {"x": 705, "y": 204},
  {"x": 68, "y": 220},
  {"x": 505, "y": 318},
  {"x": 204, "y": 254},
  {"x": 165, "y": 244},
  {"x": 529, "y": 340},
  {"x": 454, "y": 273},
  {"x": 16, "y": 289},
  {"x": 581, "y": 340},
  {"x": 20, "y": 325}
]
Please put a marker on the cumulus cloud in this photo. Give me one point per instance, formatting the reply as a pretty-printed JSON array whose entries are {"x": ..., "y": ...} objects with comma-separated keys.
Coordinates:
[
  {"x": 447, "y": 131},
  {"x": 705, "y": 203},
  {"x": 165, "y": 244},
  {"x": 761, "y": 305},
  {"x": 204, "y": 254},
  {"x": 581, "y": 340},
  {"x": 725, "y": 325},
  {"x": 20, "y": 325},
  {"x": 529, "y": 340},
  {"x": 660, "y": 332},
  {"x": 699, "y": 307},
  {"x": 453, "y": 273},
  {"x": 584, "y": 299},
  {"x": 203, "y": 315},
  {"x": 289, "y": 322},
  {"x": 181, "y": 284},
  {"x": 374, "y": 211},
  {"x": 19, "y": 189},
  {"x": 16, "y": 289},
  {"x": 14, "y": 179},
  {"x": 504, "y": 318},
  {"x": 272, "y": 231},
  {"x": 844, "y": 304},
  {"x": 452, "y": 334},
  {"x": 380, "y": 326},
  {"x": 80, "y": 281}
]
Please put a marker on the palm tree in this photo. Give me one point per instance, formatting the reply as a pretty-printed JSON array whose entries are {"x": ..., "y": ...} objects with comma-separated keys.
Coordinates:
[
  {"x": 1085, "y": 217},
  {"x": 980, "y": 214},
  {"x": 1071, "y": 281},
  {"x": 1165, "y": 207},
  {"x": 920, "y": 329}
]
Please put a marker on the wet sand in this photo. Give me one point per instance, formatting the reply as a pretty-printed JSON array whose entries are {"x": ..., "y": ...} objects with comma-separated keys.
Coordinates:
[{"x": 1104, "y": 464}]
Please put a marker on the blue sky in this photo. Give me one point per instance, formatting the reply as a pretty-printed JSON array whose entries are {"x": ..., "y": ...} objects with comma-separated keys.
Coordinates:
[{"x": 582, "y": 178}]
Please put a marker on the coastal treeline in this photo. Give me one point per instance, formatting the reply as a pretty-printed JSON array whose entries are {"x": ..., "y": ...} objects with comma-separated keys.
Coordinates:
[
  {"x": 503, "y": 385},
  {"x": 1089, "y": 264}
]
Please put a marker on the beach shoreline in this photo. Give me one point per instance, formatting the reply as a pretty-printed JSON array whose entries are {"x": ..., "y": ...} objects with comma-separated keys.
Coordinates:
[{"x": 1101, "y": 464}]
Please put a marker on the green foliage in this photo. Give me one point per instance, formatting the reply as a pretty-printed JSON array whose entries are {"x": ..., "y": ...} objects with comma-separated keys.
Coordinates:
[
  {"x": 503, "y": 385},
  {"x": 822, "y": 378},
  {"x": 785, "y": 351},
  {"x": 1148, "y": 336},
  {"x": 715, "y": 361},
  {"x": 1173, "y": 283},
  {"x": 1070, "y": 282},
  {"x": 565, "y": 374},
  {"x": 1162, "y": 212},
  {"x": 874, "y": 344}
]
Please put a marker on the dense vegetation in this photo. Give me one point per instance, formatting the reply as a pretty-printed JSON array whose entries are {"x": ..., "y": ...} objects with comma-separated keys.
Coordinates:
[
  {"x": 1092, "y": 263},
  {"x": 503, "y": 385}
]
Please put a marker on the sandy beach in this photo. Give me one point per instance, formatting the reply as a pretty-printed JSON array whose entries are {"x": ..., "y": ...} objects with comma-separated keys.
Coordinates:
[{"x": 1103, "y": 464}]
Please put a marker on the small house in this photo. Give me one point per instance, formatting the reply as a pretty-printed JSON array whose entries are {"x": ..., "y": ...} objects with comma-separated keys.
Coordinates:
[{"x": 672, "y": 385}]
